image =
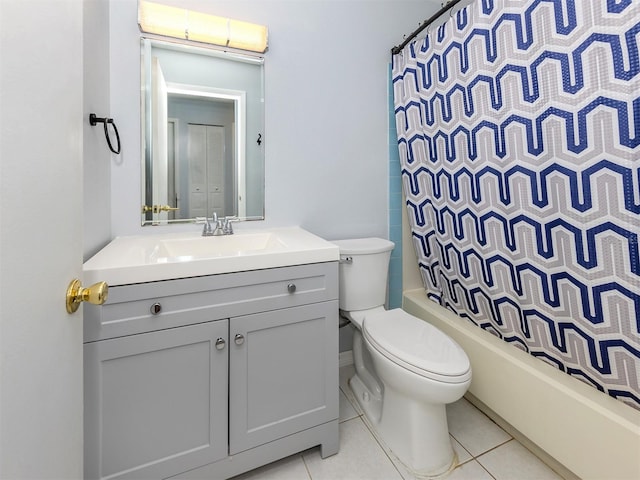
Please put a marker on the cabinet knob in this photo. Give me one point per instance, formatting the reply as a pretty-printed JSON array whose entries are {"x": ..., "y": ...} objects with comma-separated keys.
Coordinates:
[
  {"x": 156, "y": 308},
  {"x": 239, "y": 339},
  {"x": 291, "y": 288},
  {"x": 220, "y": 343}
]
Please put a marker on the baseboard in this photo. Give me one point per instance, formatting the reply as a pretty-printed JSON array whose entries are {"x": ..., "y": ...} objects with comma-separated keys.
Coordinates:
[{"x": 346, "y": 358}]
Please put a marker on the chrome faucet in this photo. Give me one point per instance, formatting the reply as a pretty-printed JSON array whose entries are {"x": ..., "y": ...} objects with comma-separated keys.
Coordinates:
[
  {"x": 218, "y": 227},
  {"x": 210, "y": 228}
]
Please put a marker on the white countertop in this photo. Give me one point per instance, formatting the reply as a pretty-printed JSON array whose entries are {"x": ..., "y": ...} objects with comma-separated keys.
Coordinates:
[{"x": 148, "y": 258}]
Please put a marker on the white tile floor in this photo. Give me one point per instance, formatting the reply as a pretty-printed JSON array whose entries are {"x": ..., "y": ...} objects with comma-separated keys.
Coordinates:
[{"x": 485, "y": 451}]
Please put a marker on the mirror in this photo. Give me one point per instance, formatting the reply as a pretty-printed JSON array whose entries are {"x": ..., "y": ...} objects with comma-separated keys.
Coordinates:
[{"x": 203, "y": 128}]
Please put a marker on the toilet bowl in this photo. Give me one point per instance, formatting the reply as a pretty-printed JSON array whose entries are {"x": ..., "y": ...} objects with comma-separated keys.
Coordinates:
[{"x": 406, "y": 369}]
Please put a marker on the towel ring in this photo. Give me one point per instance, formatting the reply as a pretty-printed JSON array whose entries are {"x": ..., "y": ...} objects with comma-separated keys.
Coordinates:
[{"x": 94, "y": 120}]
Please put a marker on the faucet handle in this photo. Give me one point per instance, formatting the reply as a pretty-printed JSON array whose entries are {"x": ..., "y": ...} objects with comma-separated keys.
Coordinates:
[
  {"x": 206, "y": 230},
  {"x": 228, "y": 228}
]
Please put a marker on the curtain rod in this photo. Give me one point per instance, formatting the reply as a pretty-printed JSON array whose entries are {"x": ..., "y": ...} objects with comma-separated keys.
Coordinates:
[{"x": 448, "y": 6}]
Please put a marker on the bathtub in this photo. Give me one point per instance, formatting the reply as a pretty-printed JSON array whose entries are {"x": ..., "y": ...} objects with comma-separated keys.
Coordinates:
[{"x": 587, "y": 432}]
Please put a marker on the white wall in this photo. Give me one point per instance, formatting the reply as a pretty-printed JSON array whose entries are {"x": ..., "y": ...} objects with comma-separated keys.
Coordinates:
[
  {"x": 326, "y": 128},
  {"x": 97, "y": 156}
]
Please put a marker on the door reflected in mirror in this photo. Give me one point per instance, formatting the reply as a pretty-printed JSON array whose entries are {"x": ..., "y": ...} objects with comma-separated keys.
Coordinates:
[{"x": 203, "y": 127}]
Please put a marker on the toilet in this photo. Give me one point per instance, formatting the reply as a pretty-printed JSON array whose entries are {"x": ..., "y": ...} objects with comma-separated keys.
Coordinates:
[{"x": 406, "y": 369}]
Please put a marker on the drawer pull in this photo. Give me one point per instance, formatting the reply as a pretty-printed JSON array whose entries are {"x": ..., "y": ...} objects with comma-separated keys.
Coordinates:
[
  {"x": 291, "y": 288},
  {"x": 156, "y": 308},
  {"x": 220, "y": 343},
  {"x": 239, "y": 339}
]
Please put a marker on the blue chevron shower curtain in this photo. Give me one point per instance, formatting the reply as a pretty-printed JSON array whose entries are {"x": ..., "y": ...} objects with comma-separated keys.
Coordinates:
[{"x": 519, "y": 136}]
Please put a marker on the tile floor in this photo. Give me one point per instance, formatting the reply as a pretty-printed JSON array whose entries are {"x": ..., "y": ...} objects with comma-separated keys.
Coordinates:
[{"x": 485, "y": 451}]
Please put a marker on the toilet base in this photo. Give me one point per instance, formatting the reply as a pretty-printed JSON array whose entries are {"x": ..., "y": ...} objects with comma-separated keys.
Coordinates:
[
  {"x": 416, "y": 435},
  {"x": 370, "y": 403}
]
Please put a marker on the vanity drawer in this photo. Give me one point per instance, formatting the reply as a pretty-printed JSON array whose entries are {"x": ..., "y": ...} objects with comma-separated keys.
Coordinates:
[{"x": 146, "y": 307}]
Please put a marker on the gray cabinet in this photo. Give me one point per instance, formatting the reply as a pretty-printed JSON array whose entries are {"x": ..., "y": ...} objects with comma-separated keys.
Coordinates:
[
  {"x": 211, "y": 376},
  {"x": 282, "y": 374},
  {"x": 155, "y": 403}
]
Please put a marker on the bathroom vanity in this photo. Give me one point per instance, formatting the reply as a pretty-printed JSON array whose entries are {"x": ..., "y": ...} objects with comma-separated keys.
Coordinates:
[{"x": 210, "y": 375}]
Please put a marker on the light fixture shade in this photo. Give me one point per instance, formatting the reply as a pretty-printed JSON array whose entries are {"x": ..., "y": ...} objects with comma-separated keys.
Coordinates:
[
  {"x": 246, "y": 35},
  {"x": 200, "y": 27},
  {"x": 162, "y": 19},
  {"x": 208, "y": 29}
]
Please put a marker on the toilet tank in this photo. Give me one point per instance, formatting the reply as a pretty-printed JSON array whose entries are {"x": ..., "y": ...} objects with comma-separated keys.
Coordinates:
[{"x": 363, "y": 279}]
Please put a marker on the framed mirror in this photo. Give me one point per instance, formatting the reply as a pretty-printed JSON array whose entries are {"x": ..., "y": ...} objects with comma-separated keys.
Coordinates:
[{"x": 203, "y": 133}]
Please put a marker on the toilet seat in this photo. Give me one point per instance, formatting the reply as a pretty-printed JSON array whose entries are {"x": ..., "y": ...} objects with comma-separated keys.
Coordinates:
[
  {"x": 357, "y": 316},
  {"x": 416, "y": 345}
]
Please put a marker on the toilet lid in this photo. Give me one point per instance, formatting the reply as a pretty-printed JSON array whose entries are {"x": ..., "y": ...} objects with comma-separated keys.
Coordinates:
[{"x": 416, "y": 345}]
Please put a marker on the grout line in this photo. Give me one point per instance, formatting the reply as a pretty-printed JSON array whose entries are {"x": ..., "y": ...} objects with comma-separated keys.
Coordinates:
[
  {"x": 493, "y": 448},
  {"x": 464, "y": 448},
  {"x": 383, "y": 447},
  {"x": 357, "y": 415},
  {"x": 470, "y": 461},
  {"x": 483, "y": 467},
  {"x": 306, "y": 467}
]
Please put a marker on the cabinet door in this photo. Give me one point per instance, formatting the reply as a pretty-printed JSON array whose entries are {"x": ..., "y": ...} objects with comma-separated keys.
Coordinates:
[
  {"x": 156, "y": 403},
  {"x": 283, "y": 373}
]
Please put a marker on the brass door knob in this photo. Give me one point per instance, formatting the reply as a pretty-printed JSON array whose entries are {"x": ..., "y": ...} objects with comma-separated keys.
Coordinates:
[{"x": 76, "y": 294}]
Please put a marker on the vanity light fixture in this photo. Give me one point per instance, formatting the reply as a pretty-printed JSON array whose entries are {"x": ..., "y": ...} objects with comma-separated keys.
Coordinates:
[{"x": 186, "y": 24}]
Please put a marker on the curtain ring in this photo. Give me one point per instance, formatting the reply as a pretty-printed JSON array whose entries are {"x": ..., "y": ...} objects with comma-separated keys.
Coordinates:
[{"x": 94, "y": 120}]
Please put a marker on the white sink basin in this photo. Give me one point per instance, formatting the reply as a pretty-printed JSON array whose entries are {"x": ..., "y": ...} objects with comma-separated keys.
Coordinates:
[
  {"x": 148, "y": 258},
  {"x": 223, "y": 246}
]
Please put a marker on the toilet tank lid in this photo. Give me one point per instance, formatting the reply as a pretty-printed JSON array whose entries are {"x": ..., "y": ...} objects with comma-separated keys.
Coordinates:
[{"x": 363, "y": 246}]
